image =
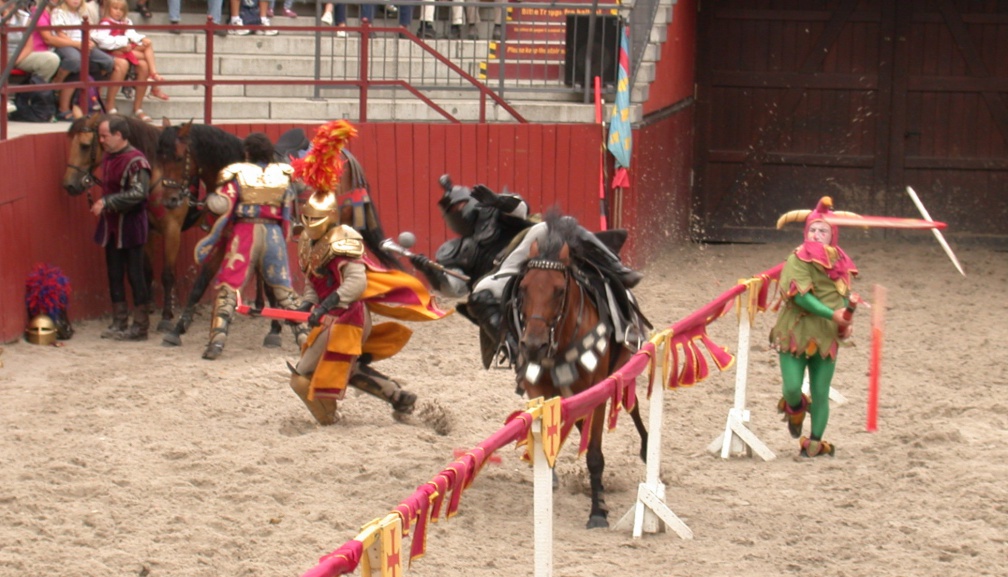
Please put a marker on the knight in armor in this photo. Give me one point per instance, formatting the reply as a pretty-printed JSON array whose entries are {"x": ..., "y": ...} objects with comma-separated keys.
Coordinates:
[
  {"x": 343, "y": 286},
  {"x": 253, "y": 202},
  {"x": 495, "y": 236}
]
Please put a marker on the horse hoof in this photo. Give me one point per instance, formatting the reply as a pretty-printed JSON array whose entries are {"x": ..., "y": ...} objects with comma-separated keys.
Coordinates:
[
  {"x": 164, "y": 326},
  {"x": 272, "y": 341},
  {"x": 171, "y": 340},
  {"x": 213, "y": 350},
  {"x": 597, "y": 522}
]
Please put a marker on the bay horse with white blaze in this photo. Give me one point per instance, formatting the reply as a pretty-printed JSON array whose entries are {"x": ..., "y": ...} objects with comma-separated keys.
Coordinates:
[{"x": 566, "y": 339}]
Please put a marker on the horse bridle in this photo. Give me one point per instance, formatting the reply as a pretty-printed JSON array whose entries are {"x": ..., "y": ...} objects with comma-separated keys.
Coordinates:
[
  {"x": 558, "y": 318},
  {"x": 89, "y": 180}
]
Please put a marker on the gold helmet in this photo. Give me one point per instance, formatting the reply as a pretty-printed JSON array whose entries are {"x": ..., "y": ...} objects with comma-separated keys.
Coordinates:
[
  {"x": 319, "y": 213},
  {"x": 41, "y": 330}
]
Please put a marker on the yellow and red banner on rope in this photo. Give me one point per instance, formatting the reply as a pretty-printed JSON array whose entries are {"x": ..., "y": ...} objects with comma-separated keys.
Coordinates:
[{"x": 685, "y": 346}]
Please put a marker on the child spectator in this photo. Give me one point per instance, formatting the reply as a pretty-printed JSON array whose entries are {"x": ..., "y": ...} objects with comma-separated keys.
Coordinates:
[
  {"x": 116, "y": 36},
  {"x": 68, "y": 44}
]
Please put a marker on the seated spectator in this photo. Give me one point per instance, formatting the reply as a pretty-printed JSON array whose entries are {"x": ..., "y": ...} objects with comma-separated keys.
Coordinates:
[
  {"x": 116, "y": 36},
  {"x": 471, "y": 15},
  {"x": 36, "y": 58},
  {"x": 67, "y": 43},
  {"x": 264, "y": 20},
  {"x": 367, "y": 14},
  {"x": 288, "y": 9}
]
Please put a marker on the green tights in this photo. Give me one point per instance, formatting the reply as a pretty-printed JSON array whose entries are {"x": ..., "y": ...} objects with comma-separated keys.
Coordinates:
[{"x": 820, "y": 375}]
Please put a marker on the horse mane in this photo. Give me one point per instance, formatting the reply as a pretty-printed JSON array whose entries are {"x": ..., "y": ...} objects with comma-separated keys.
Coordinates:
[
  {"x": 560, "y": 230},
  {"x": 143, "y": 136},
  {"x": 209, "y": 145}
]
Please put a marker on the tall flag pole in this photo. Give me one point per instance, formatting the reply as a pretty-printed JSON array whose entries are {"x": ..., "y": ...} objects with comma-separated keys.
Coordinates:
[
  {"x": 603, "y": 225},
  {"x": 620, "y": 133}
]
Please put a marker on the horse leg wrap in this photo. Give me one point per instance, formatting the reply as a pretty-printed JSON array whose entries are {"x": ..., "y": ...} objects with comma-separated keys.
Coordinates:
[
  {"x": 794, "y": 416},
  {"x": 324, "y": 410},
  {"x": 815, "y": 448},
  {"x": 224, "y": 308},
  {"x": 375, "y": 383}
]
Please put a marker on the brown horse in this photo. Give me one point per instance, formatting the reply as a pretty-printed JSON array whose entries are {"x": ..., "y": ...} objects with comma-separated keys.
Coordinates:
[
  {"x": 169, "y": 202},
  {"x": 565, "y": 342}
]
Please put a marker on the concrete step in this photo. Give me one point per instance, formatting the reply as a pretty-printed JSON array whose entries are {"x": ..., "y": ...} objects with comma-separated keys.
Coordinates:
[
  {"x": 289, "y": 59},
  {"x": 183, "y": 108}
]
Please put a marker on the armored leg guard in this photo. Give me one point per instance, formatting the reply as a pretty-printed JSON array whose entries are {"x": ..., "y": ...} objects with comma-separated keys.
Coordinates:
[
  {"x": 224, "y": 308},
  {"x": 374, "y": 383},
  {"x": 484, "y": 309},
  {"x": 794, "y": 416},
  {"x": 815, "y": 448},
  {"x": 324, "y": 410},
  {"x": 120, "y": 321},
  {"x": 606, "y": 260},
  {"x": 141, "y": 324},
  {"x": 288, "y": 299}
]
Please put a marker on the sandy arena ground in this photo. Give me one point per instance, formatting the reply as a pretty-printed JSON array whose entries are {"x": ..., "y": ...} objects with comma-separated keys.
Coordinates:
[{"x": 135, "y": 459}]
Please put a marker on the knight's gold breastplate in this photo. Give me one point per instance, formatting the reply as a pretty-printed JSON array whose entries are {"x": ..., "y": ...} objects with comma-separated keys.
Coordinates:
[
  {"x": 338, "y": 241},
  {"x": 266, "y": 186}
]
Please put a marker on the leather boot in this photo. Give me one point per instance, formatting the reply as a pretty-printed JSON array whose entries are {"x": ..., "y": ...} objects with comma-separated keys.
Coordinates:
[
  {"x": 324, "y": 410},
  {"x": 373, "y": 382},
  {"x": 605, "y": 259},
  {"x": 120, "y": 321},
  {"x": 484, "y": 309},
  {"x": 794, "y": 416},
  {"x": 141, "y": 324}
]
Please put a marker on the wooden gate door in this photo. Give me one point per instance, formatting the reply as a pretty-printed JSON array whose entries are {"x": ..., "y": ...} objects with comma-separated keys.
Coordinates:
[{"x": 855, "y": 99}]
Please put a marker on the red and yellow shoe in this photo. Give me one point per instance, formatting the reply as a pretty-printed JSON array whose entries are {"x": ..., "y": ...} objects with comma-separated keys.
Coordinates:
[
  {"x": 812, "y": 448},
  {"x": 794, "y": 417}
]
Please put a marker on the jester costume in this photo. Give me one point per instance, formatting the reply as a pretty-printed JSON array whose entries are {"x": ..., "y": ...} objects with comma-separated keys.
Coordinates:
[
  {"x": 253, "y": 202},
  {"x": 343, "y": 286},
  {"x": 815, "y": 290}
]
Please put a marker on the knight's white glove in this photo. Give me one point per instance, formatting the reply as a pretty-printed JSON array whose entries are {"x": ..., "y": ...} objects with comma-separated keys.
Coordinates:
[{"x": 216, "y": 203}]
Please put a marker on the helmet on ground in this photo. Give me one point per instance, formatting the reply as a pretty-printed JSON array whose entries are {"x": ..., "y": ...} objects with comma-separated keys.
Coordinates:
[{"x": 41, "y": 330}]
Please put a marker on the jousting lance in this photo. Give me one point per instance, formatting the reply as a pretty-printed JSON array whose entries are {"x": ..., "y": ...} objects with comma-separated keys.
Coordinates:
[
  {"x": 937, "y": 233},
  {"x": 272, "y": 313},
  {"x": 406, "y": 240}
]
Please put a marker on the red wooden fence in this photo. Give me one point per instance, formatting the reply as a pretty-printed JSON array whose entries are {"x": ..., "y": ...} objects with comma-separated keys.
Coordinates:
[{"x": 548, "y": 164}]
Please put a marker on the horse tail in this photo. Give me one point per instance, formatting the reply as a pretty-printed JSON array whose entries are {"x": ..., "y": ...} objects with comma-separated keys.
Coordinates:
[{"x": 371, "y": 229}]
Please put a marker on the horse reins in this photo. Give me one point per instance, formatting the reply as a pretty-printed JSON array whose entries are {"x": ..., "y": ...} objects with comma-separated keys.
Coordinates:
[{"x": 546, "y": 264}]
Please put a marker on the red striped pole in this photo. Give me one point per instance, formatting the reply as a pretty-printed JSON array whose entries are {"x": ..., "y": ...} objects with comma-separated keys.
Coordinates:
[
  {"x": 875, "y": 364},
  {"x": 603, "y": 225}
]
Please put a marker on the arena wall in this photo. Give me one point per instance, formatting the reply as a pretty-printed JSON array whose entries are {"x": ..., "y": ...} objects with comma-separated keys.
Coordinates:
[{"x": 548, "y": 164}]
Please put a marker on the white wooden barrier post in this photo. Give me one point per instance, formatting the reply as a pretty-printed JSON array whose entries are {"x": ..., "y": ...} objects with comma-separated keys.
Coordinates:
[
  {"x": 834, "y": 395},
  {"x": 542, "y": 501},
  {"x": 737, "y": 438},
  {"x": 650, "y": 513}
]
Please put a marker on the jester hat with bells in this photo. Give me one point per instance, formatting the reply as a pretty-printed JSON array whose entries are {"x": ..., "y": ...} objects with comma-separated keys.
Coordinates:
[{"x": 838, "y": 266}]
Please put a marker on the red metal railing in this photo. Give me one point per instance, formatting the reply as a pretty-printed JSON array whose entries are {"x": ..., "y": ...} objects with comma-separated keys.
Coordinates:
[{"x": 363, "y": 82}]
